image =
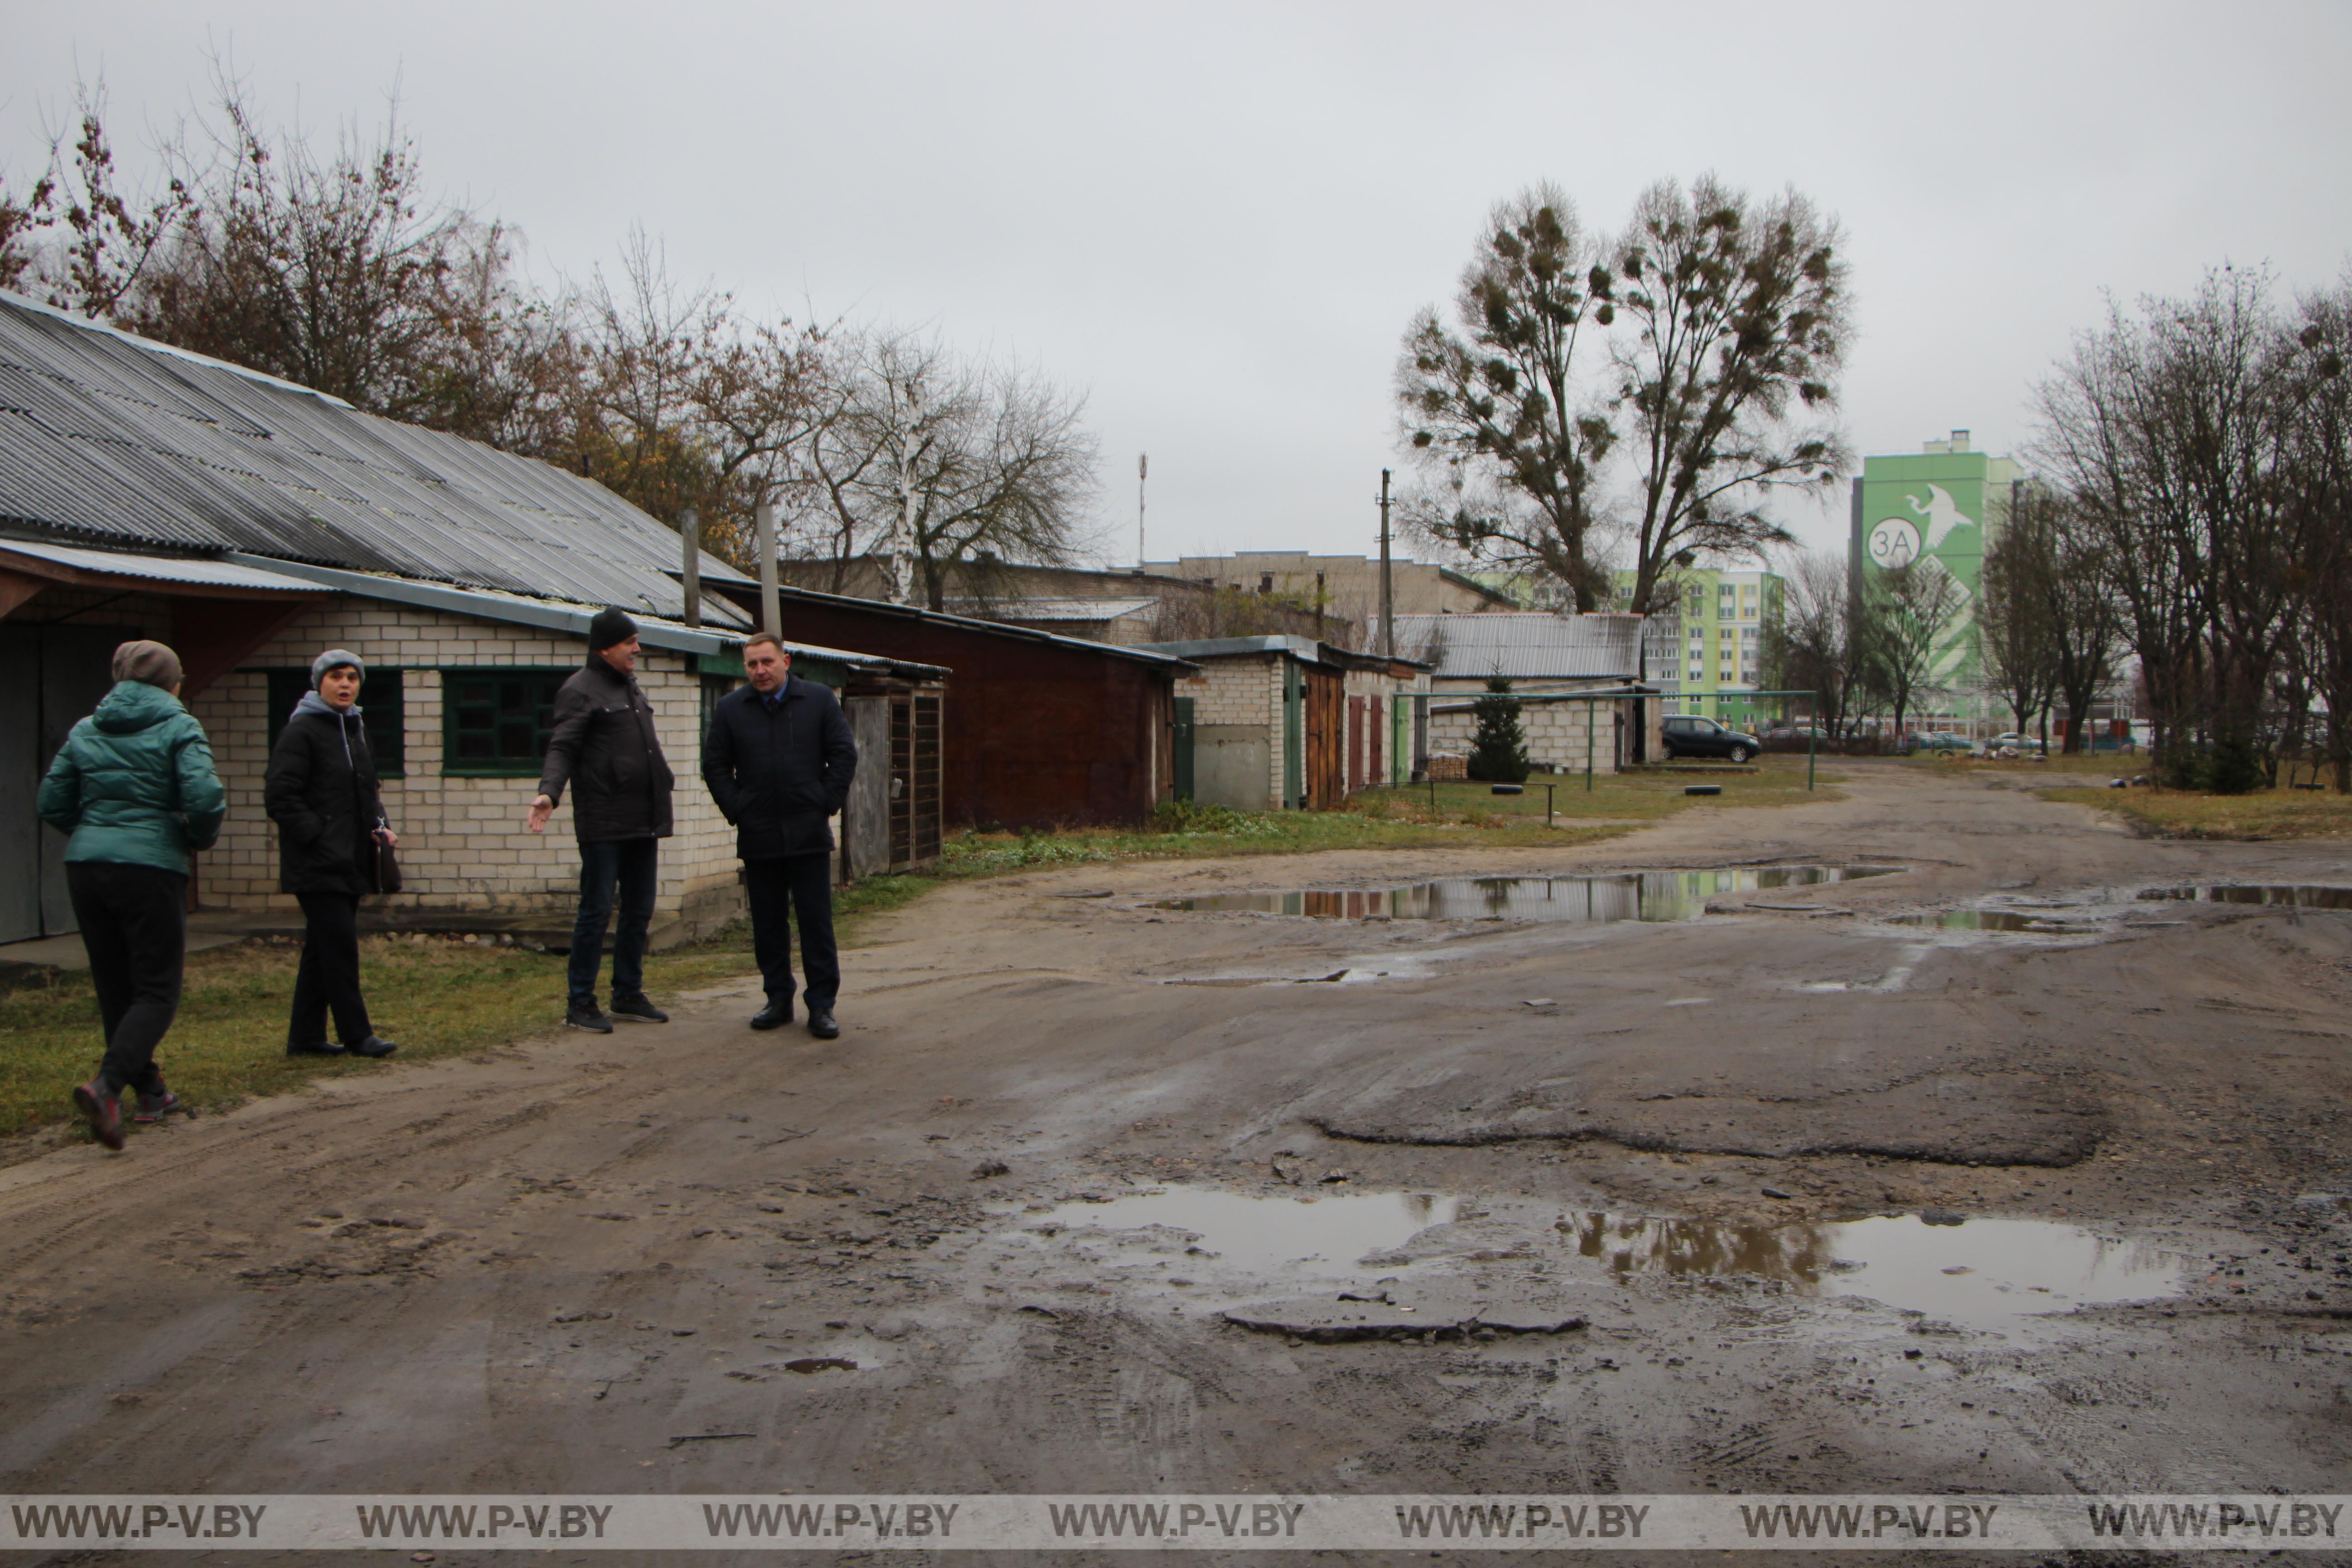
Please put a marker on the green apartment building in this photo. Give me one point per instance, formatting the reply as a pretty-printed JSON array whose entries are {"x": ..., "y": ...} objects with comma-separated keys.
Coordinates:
[
  {"x": 1945, "y": 506},
  {"x": 1707, "y": 653}
]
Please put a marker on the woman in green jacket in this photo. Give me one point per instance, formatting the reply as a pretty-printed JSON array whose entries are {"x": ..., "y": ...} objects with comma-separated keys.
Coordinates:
[{"x": 134, "y": 785}]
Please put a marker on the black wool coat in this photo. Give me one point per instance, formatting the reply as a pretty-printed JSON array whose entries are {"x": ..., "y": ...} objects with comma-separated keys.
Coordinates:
[
  {"x": 777, "y": 774},
  {"x": 326, "y": 802},
  {"x": 606, "y": 746}
]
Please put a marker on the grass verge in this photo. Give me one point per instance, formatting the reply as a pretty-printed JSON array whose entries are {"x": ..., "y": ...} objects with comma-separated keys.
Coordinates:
[
  {"x": 1410, "y": 816},
  {"x": 2251, "y": 818},
  {"x": 437, "y": 997}
]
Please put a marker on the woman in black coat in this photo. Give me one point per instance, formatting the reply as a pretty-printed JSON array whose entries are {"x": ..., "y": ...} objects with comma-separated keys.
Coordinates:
[{"x": 322, "y": 792}]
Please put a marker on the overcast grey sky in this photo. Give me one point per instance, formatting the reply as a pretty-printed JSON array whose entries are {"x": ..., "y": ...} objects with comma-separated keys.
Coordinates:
[{"x": 1217, "y": 220}]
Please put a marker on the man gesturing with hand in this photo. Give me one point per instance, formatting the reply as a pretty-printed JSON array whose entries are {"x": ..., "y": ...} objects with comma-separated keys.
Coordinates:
[{"x": 604, "y": 745}]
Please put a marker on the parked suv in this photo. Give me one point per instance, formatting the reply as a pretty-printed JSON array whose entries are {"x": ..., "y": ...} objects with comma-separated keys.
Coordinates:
[{"x": 1687, "y": 735}]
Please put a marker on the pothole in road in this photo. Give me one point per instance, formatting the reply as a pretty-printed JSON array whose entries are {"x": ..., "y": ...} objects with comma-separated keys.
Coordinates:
[
  {"x": 2302, "y": 896},
  {"x": 1651, "y": 896},
  {"x": 1980, "y": 1274},
  {"x": 1307, "y": 1235}
]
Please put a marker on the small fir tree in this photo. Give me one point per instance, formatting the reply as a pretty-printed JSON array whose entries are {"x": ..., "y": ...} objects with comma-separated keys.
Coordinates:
[{"x": 1499, "y": 753}]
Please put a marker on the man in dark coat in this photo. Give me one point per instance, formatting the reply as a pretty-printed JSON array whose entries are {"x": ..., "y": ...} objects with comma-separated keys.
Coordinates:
[
  {"x": 604, "y": 744},
  {"x": 322, "y": 792},
  {"x": 779, "y": 760}
]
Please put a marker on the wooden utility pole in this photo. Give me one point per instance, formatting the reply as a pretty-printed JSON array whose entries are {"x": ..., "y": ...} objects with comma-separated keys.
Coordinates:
[
  {"x": 1387, "y": 579},
  {"x": 689, "y": 534},
  {"x": 763, "y": 532}
]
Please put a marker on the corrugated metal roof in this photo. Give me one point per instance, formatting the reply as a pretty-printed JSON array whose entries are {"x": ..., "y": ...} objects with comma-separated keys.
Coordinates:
[
  {"x": 108, "y": 438},
  {"x": 1061, "y": 609},
  {"x": 1300, "y": 648},
  {"x": 160, "y": 568},
  {"x": 1524, "y": 646},
  {"x": 521, "y": 610}
]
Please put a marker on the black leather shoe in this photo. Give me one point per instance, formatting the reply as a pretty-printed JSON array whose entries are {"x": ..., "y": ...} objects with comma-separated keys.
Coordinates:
[
  {"x": 373, "y": 1045},
  {"x": 316, "y": 1049},
  {"x": 821, "y": 1026},
  {"x": 636, "y": 1009},
  {"x": 774, "y": 1015},
  {"x": 588, "y": 1018}
]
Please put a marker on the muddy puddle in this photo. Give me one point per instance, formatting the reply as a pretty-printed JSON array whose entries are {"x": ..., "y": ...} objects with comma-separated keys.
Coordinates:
[
  {"x": 2302, "y": 896},
  {"x": 1309, "y": 1235},
  {"x": 1989, "y": 919},
  {"x": 1653, "y": 896},
  {"x": 1978, "y": 1274}
]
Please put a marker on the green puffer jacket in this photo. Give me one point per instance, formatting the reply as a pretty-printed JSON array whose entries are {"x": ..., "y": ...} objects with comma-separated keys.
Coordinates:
[{"x": 134, "y": 782}]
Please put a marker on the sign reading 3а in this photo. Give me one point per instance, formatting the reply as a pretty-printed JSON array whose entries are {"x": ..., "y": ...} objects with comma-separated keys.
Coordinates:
[{"x": 1895, "y": 542}]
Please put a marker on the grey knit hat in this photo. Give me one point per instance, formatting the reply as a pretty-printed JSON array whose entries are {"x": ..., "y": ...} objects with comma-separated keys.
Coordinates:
[{"x": 334, "y": 658}]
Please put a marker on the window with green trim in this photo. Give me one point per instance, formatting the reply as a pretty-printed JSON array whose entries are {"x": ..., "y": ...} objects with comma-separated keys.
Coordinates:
[
  {"x": 380, "y": 712},
  {"x": 495, "y": 722}
]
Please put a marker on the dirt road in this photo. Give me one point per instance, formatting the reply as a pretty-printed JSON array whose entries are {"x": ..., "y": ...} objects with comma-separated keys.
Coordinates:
[{"x": 1654, "y": 1172}]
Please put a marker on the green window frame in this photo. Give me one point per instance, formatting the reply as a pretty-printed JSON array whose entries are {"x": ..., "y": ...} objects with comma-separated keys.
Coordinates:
[
  {"x": 380, "y": 714},
  {"x": 495, "y": 722}
]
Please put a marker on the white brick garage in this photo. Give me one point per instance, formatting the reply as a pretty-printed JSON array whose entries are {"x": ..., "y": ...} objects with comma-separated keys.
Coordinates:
[{"x": 470, "y": 693}]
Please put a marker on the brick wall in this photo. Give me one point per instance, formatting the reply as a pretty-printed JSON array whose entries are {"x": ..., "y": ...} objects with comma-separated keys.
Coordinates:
[
  {"x": 1555, "y": 733},
  {"x": 463, "y": 844}
]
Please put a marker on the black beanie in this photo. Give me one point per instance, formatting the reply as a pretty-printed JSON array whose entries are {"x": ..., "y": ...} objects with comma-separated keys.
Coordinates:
[{"x": 610, "y": 627}]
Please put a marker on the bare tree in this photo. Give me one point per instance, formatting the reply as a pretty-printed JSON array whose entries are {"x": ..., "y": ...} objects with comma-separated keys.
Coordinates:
[
  {"x": 2320, "y": 492},
  {"x": 1507, "y": 437},
  {"x": 1819, "y": 644},
  {"x": 2171, "y": 432},
  {"x": 933, "y": 460},
  {"x": 79, "y": 240},
  {"x": 1738, "y": 321},
  {"x": 2016, "y": 623},
  {"x": 1911, "y": 612}
]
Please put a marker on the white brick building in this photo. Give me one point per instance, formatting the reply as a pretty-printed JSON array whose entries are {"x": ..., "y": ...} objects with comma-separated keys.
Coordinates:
[{"x": 456, "y": 703}]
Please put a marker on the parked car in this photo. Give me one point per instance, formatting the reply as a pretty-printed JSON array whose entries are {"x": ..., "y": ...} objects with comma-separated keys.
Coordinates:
[
  {"x": 1688, "y": 735},
  {"x": 1796, "y": 732},
  {"x": 2013, "y": 741},
  {"x": 1945, "y": 740}
]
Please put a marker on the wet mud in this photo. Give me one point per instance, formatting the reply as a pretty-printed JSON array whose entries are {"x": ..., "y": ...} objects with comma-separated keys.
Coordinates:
[{"x": 1092, "y": 1194}]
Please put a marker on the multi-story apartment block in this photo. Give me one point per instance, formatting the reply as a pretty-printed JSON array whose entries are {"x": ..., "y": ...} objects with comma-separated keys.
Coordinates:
[{"x": 1706, "y": 649}]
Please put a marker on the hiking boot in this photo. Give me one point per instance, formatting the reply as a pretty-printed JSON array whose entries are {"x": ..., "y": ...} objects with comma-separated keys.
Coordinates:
[
  {"x": 638, "y": 1009},
  {"x": 98, "y": 1102},
  {"x": 156, "y": 1106},
  {"x": 584, "y": 1016}
]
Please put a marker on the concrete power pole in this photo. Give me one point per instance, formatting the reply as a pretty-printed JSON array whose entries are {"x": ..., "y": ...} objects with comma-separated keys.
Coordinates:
[
  {"x": 689, "y": 534},
  {"x": 1388, "y": 578},
  {"x": 1142, "y": 472},
  {"x": 763, "y": 534}
]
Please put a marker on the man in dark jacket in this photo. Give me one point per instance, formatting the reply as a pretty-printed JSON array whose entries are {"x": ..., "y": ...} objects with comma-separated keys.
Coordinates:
[
  {"x": 779, "y": 760},
  {"x": 604, "y": 744}
]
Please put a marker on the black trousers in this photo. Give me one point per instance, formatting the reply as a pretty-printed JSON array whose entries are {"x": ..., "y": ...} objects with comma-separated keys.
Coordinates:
[
  {"x": 802, "y": 885},
  {"x": 134, "y": 926},
  {"x": 328, "y": 980}
]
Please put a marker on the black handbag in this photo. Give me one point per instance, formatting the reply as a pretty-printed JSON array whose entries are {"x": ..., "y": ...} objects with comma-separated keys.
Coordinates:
[{"x": 384, "y": 866}]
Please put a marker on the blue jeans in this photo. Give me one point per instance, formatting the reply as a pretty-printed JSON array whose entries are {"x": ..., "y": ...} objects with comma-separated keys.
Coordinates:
[{"x": 634, "y": 864}]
